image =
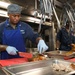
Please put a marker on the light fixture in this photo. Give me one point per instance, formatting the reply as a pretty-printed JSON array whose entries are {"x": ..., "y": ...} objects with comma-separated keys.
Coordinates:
[
  {"x": 3, "y": 13},
  {"x": 34, "y": 19},
  {"x": 4, "y": 4}
]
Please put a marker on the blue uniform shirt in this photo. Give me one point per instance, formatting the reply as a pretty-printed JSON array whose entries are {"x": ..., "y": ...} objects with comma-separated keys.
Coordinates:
[
  {"x": 26, "y": 31},
  {"x": 65, "y": 39}
]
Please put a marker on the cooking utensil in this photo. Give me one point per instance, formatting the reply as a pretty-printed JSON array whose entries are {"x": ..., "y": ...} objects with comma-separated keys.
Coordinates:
[{"x": 25, "y": 55}]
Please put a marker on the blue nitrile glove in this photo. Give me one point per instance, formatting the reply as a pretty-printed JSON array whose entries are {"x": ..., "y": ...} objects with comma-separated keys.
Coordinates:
[
  {"x": 42, "y": 47},
  {"x": 11, "y": 50}
]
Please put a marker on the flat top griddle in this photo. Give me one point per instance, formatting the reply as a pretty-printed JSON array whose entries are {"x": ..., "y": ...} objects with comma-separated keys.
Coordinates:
[{"x": 36, "y": 68}]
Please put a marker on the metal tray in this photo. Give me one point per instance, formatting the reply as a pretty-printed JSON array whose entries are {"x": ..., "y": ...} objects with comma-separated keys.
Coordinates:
[{"x": 37, "y": 68}]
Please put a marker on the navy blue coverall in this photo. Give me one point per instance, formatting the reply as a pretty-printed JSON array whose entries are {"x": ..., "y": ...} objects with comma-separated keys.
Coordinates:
[{"x": 65, "y": 39}]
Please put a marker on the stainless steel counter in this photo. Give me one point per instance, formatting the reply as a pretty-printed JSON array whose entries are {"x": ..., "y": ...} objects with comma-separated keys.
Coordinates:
[
  {"x": 35, "y": 68},
  {"x": 38, "y": 67},
  {"x": 2, "y": 72}
]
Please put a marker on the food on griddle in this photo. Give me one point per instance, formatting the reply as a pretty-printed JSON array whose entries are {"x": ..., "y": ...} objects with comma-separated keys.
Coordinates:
[
  {"x": 55, "y": 67},
  {"x": 37, "y": 58},
  {"x": 42, "y": 57},
  {"x": 69, "y": 53},
  {"x": 73, "y": 66},
  {"x": 61, "y": 67},
  {"x": 73, "y": 47}
]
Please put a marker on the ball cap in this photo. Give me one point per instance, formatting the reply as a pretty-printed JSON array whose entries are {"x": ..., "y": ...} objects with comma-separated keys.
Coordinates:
[{"x": 14, "y": 9}]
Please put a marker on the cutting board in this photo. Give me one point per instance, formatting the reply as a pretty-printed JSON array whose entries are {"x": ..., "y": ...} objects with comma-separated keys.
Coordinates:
[
  {"x": 72, "y": 60},
  {"x": 25, "y": 55},
  {"x": 13, "y": 61},
  {"x": 69, "y": 59}
]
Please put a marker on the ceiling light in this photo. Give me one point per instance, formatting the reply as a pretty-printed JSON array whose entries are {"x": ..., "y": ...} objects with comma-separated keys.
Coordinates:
[
  {"x": 40, "y": 15},
  {"x": 4, "y": 4},
  {"x": 34, "y": 19},
  {"x": 3, "y": 13}
]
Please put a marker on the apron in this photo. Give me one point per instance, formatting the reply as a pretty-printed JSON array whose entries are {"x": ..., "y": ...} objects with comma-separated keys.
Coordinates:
[{"x": 13, "y": 38}]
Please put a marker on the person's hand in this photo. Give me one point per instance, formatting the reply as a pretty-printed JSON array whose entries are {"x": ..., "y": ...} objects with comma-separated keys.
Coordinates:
[
  {"x": 11, "y": 50},
  {"x": 42, "y": 47}
]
